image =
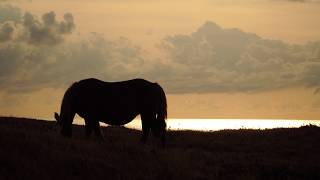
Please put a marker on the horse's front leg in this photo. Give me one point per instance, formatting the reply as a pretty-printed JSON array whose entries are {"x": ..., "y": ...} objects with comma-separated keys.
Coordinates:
[
  {"x": 97, "y": 130},
  {"x": 145, "y": 128},
  {"x": 88, "y": 127}
]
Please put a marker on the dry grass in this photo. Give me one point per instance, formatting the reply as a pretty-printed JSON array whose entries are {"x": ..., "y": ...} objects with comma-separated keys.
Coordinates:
[{"x": 29, "y": 149}]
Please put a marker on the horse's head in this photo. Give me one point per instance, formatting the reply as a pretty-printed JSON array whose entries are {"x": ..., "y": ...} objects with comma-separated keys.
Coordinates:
[
  {"x": 62, "y": 125},
  {"x": 58, "y": 119}
]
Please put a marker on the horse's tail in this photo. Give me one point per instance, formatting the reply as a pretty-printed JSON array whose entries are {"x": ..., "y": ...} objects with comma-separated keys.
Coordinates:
[
  {"x": 162, "y": 112},
  {"x": 162, "y": 104}
]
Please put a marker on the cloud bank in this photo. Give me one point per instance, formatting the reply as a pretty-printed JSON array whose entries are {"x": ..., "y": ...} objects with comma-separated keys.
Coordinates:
[
  {"x": 229, "y": 60},
  {"x": 35, "y": 53}
]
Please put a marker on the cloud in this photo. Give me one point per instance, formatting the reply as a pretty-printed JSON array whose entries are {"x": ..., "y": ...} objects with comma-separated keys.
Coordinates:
[
  {"x": 9, "y": 13},
  {"x": 28, "y": 47},
  {"x": 26, "y": 67},
  {"x": 6, "y": 32},
  {"x": 36, "y": 54},
  {"x": 49, "y": 31},
  {"x": 28, "y": 28},
  {"x": 214, "y": 59}
]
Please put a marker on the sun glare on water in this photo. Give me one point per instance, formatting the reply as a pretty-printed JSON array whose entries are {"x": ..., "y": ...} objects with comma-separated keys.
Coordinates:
[{"x": 220, "y": 124}]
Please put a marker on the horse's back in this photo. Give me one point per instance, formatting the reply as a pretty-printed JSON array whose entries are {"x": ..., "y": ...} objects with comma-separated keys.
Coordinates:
[{"x": 98, "y": 90}]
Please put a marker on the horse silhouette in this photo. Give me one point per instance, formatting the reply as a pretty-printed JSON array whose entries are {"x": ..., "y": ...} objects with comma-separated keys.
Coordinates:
[{"x": 114, "y": 103}]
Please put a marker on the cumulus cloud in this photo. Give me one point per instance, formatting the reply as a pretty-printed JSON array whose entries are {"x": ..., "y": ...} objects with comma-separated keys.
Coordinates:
[
  {"x": 49, "y": 31},
  {"x": 28, "y": 28},
  {"x": 22, "y": 52},
  {"x": 214, "y": 59}
]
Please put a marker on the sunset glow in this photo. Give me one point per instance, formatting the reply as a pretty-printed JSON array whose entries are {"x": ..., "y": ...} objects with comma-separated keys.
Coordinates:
[
  {"x": 159, "y": 89},
  {"x": 251, "y": 59}
]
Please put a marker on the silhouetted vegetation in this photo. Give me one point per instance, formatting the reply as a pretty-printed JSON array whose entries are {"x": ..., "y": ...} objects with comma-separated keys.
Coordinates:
[{"x": 30, "y": 149}]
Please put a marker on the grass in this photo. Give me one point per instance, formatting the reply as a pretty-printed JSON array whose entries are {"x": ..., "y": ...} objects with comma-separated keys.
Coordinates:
[{"x": 29, "y": 149}]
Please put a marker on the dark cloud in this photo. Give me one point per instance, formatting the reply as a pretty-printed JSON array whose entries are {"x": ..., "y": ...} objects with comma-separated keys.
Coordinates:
[
  {"x": 27, "y": 27},
  {"x": 49, "y": 31}
]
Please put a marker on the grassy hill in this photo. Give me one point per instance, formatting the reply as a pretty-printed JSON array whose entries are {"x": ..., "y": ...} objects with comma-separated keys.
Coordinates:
[{"x": 29, "y": 149}]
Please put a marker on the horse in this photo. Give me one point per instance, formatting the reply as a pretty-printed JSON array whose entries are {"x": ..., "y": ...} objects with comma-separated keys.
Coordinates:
[{"x": 114, "y": 103}]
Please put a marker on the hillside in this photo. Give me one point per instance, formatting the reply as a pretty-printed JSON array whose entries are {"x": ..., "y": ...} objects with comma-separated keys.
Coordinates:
[{"x": 30, "y": 149}]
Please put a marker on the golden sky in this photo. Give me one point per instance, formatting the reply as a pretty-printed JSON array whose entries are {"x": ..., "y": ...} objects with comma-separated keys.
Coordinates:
[
  {"x": 286, "y": 20},
  {"x": 215, "y": 59}
]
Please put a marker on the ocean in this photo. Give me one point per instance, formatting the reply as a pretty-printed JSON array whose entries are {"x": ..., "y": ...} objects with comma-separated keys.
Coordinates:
[{"x": 220, "y": 124}]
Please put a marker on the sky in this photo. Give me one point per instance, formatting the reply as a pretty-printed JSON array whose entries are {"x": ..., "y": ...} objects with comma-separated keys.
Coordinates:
[{"x": 256, "y": 59}]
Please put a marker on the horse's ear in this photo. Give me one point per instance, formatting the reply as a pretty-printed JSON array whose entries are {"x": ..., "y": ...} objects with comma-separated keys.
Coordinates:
[{"x": 57, "y": 117}]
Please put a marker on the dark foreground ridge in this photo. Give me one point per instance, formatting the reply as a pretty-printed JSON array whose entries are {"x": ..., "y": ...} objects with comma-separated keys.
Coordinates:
[{"x": 29, "y": 149}]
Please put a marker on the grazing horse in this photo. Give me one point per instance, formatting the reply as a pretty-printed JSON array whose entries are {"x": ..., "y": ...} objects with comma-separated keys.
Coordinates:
[{"x": 114, "y": 103}]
